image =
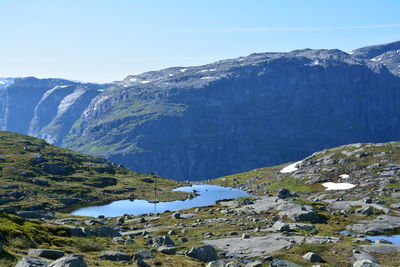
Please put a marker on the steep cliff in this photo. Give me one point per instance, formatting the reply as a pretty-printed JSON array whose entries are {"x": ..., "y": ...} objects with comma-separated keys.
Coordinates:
[
  {"x": 44, "y": 108},
  {"x": 234, "y": 115}
]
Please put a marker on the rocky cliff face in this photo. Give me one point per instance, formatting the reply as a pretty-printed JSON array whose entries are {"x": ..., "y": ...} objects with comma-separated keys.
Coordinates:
[
  {"x": 226, "y": 117},
  {"x": 234, "y": 115},
  {"x": 44, "y": 108}
]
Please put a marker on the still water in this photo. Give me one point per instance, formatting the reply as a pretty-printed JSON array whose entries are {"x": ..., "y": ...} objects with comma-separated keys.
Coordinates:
[{"x": 208, "y": 194}]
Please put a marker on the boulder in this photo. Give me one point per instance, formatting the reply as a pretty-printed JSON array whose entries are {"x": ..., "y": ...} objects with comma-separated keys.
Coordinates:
[
  {"x": 281, "y": 226},
  {"x": 144, "y": 254},
  {"x": 283, "y": 193},
  {"x": 167, "y": 250},
  {"x": 46, "y": 253},
  {"x": 204, "y": 253},
  {"x": 312, "y": 257},
  {"x": 176, "y": 215},
  {"x": 115, "y": 256},
  {"x": 69, "y": 261},
  {"x": 300, "y": 213},
  {"x": 105, "y": 231},
  {"x": 32, "y": 262},
  {"x": 162, "y": 241}
]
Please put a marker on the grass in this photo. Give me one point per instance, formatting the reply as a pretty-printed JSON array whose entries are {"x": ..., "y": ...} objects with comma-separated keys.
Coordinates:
[{"x": 18, "y": 168}]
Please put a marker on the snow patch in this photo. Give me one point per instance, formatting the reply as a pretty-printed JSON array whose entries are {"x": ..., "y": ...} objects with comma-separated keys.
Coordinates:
[
  {"x": 183, "y": 70},
  {"x": 344, "y": 176},
  {"x": 133, "y": 80},
  {"x": 338, "y": 186},
  {"x": 145, "y": 81},
  {"x": 290, "y": 168}
]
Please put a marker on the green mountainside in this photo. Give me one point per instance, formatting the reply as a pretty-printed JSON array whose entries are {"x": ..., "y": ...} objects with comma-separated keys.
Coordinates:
[{"x": 37, "y": 176}]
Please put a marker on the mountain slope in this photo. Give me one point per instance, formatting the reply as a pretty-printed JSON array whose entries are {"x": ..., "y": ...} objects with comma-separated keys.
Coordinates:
[
  {"x": 44, "y": 108},
  {"x": 234, "y": 115},
  {"x": 386, "y": 54},
  {"x": 221, "y": 118},
  {"x": 37, "y": 176}
]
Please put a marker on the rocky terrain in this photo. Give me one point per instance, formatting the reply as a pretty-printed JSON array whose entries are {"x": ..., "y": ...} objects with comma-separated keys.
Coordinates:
[
  {"x": 292, "y": 219},
  {"x": 222, "y": 118}
]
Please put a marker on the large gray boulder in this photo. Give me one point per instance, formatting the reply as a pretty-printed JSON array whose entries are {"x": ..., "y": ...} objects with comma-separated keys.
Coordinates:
[
  {"x": 69, "y": 261},
  {"x": 105, "y": 231},
  {"x": 312, "y": 257},
  {"x": 204, "y": 253},
  {"x": 116, "y": 256},
  {"x": 281, "y": 226},
  {"x": 32, "y": 262},
  {"x": 46, "y": 253},
  {"x": 169, "y": 250},
  {"x": 162, "y": 241},
  {"x": 300, "y": 213}
]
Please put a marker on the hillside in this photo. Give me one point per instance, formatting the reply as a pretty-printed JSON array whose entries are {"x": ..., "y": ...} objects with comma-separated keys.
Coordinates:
[
  {"x": 275, "y": 227},
  {"x": 36, "y": 176},
  {"x": 221, "y": 118}
]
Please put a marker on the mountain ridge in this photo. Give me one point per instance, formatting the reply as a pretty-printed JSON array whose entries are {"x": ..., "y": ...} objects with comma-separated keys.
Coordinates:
[{"x": 180, "y": 121}]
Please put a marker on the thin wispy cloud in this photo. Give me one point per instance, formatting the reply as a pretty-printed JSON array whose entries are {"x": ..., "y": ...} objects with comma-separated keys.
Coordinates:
[{"x": 284, "y": 29}]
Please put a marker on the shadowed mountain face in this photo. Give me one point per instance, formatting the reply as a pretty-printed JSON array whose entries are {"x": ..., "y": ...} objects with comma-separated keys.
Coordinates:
[
  {"x": 45, "y": 108},
  {"x": 225, "y": 117}
]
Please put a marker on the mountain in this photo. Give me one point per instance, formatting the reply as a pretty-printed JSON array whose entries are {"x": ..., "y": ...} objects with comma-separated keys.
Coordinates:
[
  {"x": 234, "y": 115},
  {"x": 44, "y": 108},
  {"x": 35, "y": 175},
  {"x": 386, "y": 54},
  {"x": 226, "y": 117},
  {"x": 5, "y": 81}
]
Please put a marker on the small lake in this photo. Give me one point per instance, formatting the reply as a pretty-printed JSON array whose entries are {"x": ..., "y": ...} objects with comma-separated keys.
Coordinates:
[
  {"x": 208, "y": 195},
  {"x": 395, "y": 239}
]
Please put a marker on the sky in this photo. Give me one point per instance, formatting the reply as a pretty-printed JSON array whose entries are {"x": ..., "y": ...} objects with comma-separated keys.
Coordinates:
[{"x": 104, "y": 41}]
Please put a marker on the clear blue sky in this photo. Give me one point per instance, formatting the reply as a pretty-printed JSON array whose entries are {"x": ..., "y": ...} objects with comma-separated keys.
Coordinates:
[{"x": 96, "y": 40}]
